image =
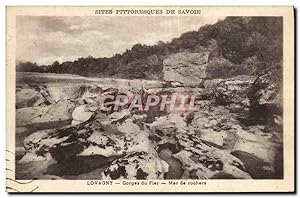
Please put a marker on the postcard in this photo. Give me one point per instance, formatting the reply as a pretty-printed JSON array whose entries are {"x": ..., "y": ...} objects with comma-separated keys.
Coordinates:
[{"x": 150, "y": 99}]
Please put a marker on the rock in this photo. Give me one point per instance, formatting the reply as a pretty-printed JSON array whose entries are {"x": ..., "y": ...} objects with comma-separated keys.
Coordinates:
[
  {"x": 75, "y": 122},
  {"x": 20, "y": 130},
  {"x": 70, "y": 91},
  {"x": 213, "y": 122},
  {"x": 84, "y": 139},
  {"x": 31, "y": 157},
  {"x": 20, "y": 151},
  {"x": 62, "y": 93},
  {"x": 265, "y": 96},
  {"x": 214, "y": 118},
  {"x": 84, "y": 92},
  {"x": 198, "y": 149},
  {"x": 154, "y": 85},
  {"x": 212, "y": 83},
  {"x": 213, "y": 138},
  {"x": 81, "y": 114},
  {"x": 78, "y": 165},
  {"x": 169, "y": 125},
  {"x": 89, "y": 93},
  {"x": 128, "y": 127},
  {"x": 57, "y": 93},
  {"x": 103, "y": 144},
  {"x": 193, "y": 170},
  {"x": 257, "y": 152},
  {"x": 28, "y": 98},
  {"x": 46, "y": 95},
  {"x": 185, "y": 67},
  {"x": 115, "y": 116},
  {"x": 136, "y": 165},
  {"x": 92, "y": 108},
  {"x": 46, "y": 143},
  {"x": 204, "y": 162},
  {"x": 107, "y": 143},
  {"x": 264, "y": 152},
  {"x": 31, "y": 167},
  {"x": 233, "y": 90},
  {"x": 212, "y": 142},
  {"x": 58, "y": 112},
  {"x": 175, "y": 170}
]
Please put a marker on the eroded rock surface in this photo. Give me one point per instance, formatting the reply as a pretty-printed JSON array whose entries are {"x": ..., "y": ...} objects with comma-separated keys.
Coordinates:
[
  {"x": 64, "y": 134},
  {"x": 186, "y": 67},
  {"x": 265, "y": 96}
]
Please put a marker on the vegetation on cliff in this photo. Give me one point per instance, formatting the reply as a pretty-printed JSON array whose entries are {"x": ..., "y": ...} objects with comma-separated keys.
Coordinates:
[{"x": 237, "y": 45}]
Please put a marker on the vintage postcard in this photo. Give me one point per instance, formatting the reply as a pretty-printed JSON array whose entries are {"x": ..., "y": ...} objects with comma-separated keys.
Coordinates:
[{"x": 150, "y": 99}]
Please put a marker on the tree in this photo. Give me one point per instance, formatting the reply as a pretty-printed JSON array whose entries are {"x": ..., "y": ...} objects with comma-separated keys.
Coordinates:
[{"x": 28, "y": 67}]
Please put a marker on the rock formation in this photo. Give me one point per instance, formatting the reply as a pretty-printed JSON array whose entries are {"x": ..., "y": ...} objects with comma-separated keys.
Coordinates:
[{"x": 218, "y": 140}]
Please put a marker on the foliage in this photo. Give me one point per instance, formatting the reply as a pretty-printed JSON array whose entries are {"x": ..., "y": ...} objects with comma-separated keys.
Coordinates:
[
  {"x": 238, "y": 45},
  {"x": 29, "y": 67}
]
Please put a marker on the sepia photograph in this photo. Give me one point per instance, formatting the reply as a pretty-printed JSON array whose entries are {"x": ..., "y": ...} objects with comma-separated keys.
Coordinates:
[{"x": 139, "y": 94}]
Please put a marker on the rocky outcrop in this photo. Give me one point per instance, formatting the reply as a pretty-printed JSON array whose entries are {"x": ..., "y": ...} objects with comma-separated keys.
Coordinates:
[
  {"x": 259, "y": 147},
  {"x": 210, "y": 142},
  {"x": 205, "y": 145},
  {"x": 209, "y": 163},
  {"x": 265, "y": 97},
  {"x": 185, "y": 67},
  {"x": 44, "y": 114},
  {"x": 233, "y": 90},
  {"x": 28, "y": 98},
  {"x": 111, "y": 137},
  {"x": 137, "y": 165},
  {"x": 199, "y": 151}
]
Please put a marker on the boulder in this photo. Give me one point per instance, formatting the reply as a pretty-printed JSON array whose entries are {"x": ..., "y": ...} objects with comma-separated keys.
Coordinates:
[
  {"x": 264, "y": 152},
  {"x": 89, "y": 93},
  {"x": 259, "y": 151},
  {"x": 136, "y": 165},
  {"x": 265, "y": 96},
  {"x": 185, "y": 67},
  {"x": 212, "y": 137},
  {"x": 204, "y": 162},
  {"x": 29, "y": 98},
  {"x": 81, "y": 114},
  {"x": 198, "y": 148},
  {"x": 233, "y": 90},
  {"x": 128, "y": 127},
  {"x": 52, "y": 113},
  {"x": 62, "y": 93},
  {"x": 89, "y": 141},
  {"x": 42, "y": 143}
]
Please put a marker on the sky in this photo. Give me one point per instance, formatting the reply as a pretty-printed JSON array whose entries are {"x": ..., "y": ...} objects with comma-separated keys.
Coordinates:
[{"x": 45, "y": 39}]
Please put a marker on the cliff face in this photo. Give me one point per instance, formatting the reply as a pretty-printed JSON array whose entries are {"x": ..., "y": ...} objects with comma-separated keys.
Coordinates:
[{"x": 185, "y": 67}]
